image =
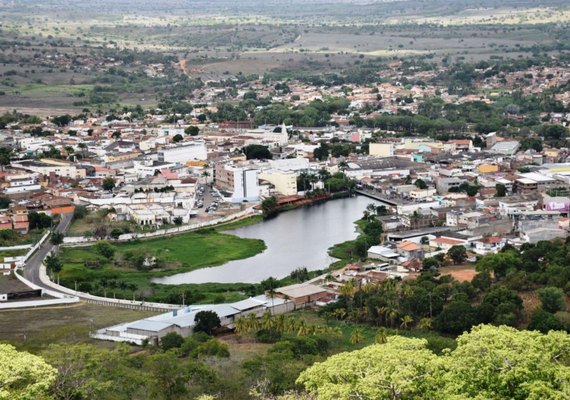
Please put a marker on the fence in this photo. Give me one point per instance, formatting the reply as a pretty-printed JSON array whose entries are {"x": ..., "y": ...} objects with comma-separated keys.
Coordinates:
[
  {"x": 105, "y": 301},
  {"x": 36, "y": 246},
  {"x": 86, "y": 241},
  {"x": 58, "y": 298}
]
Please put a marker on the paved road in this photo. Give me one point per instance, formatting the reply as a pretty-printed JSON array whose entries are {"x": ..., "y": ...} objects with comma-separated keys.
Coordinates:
[{"x": 32, "y": 267}]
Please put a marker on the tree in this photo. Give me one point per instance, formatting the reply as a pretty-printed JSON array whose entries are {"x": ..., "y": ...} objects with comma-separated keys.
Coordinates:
[
  {"x": 105, "y": 249},
  {"x": 430, "y": 263},
  {"x": 500, "y": 263},
  {"x": 554, "y": 132},
  {"x": 544, "y": 322},
  {"x": 257, "y": 152},
  {"x": 269, "y": 207},
  {"x": 321, "y": 153},
  {"x": 482, "y": 281},
  {"x": 192, "y": 130},
  {"x": 501, "y": 190},
  {"x": 83, "y": 371},
  {"x": 457, "y": 253},
  {"x": 457, "y": 317},
  {"x": 552, "y": 299},
  {"x": 356, "y": 336},
  {"x": 61, "y": 120},
  {"x": 5, "y": 156},
  {"x": 39, "y": 220},
  {"x": 57, "y": 238},
  {"x": 489, "y": 363},
  {"x": 406, "y": 321},
  {"x": 206, "y": 321},
  {"x": 4, "y": 202},
  {"x": 115, "y": 233},
  {"x": 177, "y": 138},
  {"x": 381, "y": 336},
  {"x": 108, "y": 184},
  {"x": 23, "y": 375},
  {"x": 171, "y": 340},
  {"x": 375, "y": 372},
  {"x": 178, "y": 221},
  {"x": 53, "y": 264},
  {"x": 168, "y": 376},
  {"x": 420, "y": 184},
  {"x": 80, "y": 212}
]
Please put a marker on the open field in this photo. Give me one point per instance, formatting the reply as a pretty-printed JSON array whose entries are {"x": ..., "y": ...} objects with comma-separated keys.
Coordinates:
[
  {"x": 34, "y": 329},
  {"x": 462, "y": 273},
  {"x": 82, "y": 56}
]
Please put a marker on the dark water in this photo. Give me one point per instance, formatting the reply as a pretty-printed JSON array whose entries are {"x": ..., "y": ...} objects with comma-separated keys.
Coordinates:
[{"x": 294, "y": 239}]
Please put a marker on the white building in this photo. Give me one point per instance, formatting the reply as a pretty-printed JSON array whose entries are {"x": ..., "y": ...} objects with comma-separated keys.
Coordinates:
[
  {"x": 269, "y": 134},
  {"x": 183, "y": 153},
  {"x": 242, "y": 182}
]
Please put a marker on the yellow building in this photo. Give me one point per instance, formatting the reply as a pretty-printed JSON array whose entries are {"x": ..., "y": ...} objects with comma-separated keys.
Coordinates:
[
  {"x": 381, "y": 149},
  {"x": 285, "y": 182},
  {"x": 488, "y": 168}
]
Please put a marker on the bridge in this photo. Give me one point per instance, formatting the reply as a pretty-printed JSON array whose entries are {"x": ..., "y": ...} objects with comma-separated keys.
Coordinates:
[{"x": 378, "y": 197}]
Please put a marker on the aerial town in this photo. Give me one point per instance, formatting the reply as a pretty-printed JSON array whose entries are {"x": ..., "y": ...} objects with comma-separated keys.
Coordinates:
[{"x": 245, "y": 204}]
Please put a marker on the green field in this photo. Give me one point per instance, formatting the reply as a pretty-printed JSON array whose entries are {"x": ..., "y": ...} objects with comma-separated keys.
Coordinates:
[
  {"x": 117, "y": 277},
  {"x": 33, "y": 329}
]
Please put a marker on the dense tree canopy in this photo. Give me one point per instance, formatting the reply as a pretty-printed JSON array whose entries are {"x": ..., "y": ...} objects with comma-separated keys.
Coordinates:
[
  {"x": 23, "y": 375},
  {"x": 488, "y": 363}
]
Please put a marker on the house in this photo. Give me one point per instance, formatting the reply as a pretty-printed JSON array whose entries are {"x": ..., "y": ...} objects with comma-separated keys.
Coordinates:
[
  {"x": 5, "y": 222},
  {"x": 410, "y": 250},
  {"x": 508, "y": 148},
  {"x": 444, "y": 184},
  {"x": 446, "y": 243},
  {"x": 21, "y": 223},
  {"x": 383, "y": 253},
  {"x": 302, "y": 294}
]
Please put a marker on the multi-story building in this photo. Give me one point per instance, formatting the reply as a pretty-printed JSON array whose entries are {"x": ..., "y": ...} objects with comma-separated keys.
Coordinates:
[
  {"x": 241, "y": 182},
  {"x": 285, "y": 182}
]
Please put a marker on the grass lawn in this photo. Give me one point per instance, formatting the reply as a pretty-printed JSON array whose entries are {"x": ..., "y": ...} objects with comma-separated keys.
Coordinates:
[
  {"x": 33, "y": 329},
  {"x": 175, "y": 254}
]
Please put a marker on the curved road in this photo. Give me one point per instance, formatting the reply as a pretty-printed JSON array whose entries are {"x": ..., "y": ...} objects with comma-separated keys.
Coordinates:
[{"x": 32, "y": 267}]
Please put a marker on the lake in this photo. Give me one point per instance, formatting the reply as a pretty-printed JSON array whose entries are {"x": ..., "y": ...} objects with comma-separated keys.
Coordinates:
[{"x": 294, "y": 239}]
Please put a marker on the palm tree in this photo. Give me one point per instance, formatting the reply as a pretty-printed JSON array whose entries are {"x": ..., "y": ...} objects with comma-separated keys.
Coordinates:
[
  {"x": 381, "y": 313},
  {"x": 356, "y": 336},
  {"x": 333, "y": 331},
  {"x": 425, "y": 324},
  {"x": 392, "y": 315},
  {"x": 347, "y": 291},
  {"x": 406, "y": 321},
  {"x": 291, "y": 325},
  {"x": 323, "y": 175},
  {"x": 343, "y": 165},
  {"x": 340, "y": 313},
  {"x": 267, "y": 321},
  {"x": 303, "y": 178},
  {"x": 252, "y": 323},
  {"x": 241, "y": 326},
  {"x": 381, "y": 336},
  {"x": 280, "y": 323},
  {"x": 302, "y": 328},
  {"x": 205, "y": 174}
]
